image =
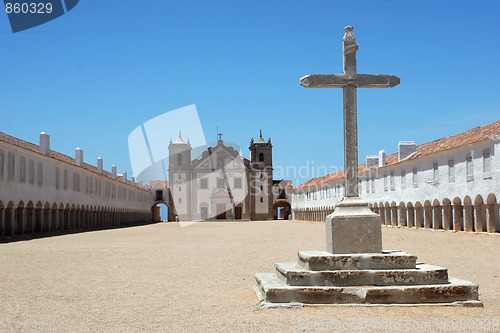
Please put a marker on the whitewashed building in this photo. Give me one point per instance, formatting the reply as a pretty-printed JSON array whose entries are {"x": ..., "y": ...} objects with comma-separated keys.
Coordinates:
[
  {"x": 42, "y": 191},
  {"x": 451, "y": 183}
]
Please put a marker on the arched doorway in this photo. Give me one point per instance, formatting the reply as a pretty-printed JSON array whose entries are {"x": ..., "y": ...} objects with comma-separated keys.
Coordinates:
[
  {"x": 282, "y": 209},
  {"x": 159, "y": 211}
]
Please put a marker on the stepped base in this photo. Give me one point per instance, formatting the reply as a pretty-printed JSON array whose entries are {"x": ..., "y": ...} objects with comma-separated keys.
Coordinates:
[
  {"x": 390, "y": 277},
  {"x": 273, "y": 290}
]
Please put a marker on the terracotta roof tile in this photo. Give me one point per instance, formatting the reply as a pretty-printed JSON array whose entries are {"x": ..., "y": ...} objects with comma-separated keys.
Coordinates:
[{"x": 472, "y": 136}]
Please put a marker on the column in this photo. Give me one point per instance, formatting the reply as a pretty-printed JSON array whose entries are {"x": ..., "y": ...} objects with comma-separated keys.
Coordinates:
[
  {"x": 447, "y": 216},
  {"x": 468, "y": 217},
  {"x": 457, "y": 217}
]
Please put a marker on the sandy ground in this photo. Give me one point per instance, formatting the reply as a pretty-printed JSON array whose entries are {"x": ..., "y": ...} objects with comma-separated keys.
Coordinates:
[{"x": 167, "y": 278}]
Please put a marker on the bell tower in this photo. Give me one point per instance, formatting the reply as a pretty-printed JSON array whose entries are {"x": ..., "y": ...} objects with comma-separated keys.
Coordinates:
[
  {"x": 261, "y": 178},
  {"x": 179, "y": 179}
]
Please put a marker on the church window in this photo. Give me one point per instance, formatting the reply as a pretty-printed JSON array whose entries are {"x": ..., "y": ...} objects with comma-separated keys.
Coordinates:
[
  {"x": 179, "y": 159},
  {"x": 159, "y": 195},
  {"x": 32, "y": 172},
  {"x": 203, "y": 183},
  {"x": 180, "y": 188},
  {"x": 10, "y": 166},
  {"x": 87, "y": 184},
  {"x": 65, "y": 180},
  {"x": 237, "y": 183},
  {"x": 22, "y": 170},
  {"x": 261, "y": 188},
  {"x": 403, "y": 179},
  {"x": 220, "y": 182},
  {"x": 469, "y": 167},
  {"x": 1, "y": 165},
  {"x": 435, "y": 172},
  {"x": 39, "y": 174},
  {"x": 91, "y": 188},
  {"x": 486, "y": 162},
  {"x": 261, "y": 199},
  {"x": 261, "y": 157},
  {"x": 451, "y": 170},
  {"x": 57, "y": 178},
  {"x": 261, "y": 176}
]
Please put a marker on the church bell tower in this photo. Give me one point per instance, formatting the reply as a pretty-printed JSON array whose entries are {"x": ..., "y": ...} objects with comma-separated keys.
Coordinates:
[{"x": 261, "y": 178}]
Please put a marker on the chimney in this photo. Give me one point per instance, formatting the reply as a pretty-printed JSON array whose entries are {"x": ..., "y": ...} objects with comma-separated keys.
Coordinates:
[
  {"x": 124, "y": 175},
  {"x": 99, "y": 166},
  {"x": 371, "y": 161},
  {"x": 79, "y": 157},
  {"x": 140, "y": 183},
  {"x": 113, "y": 171},
  {"x": 405, "y": 149},
  {"x": 45, "y": 143},
  {"x": 133, "y": 181},
  {"x": 381, "y": 158}
]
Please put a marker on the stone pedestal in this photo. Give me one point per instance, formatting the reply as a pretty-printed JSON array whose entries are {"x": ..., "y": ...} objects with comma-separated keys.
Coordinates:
[
  {"x": 353, "y": 228},
  {"x": 389, "y": 277}
]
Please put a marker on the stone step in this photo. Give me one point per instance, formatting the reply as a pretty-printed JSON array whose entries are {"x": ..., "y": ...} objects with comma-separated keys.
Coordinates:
[
  {"x": 459, "y": 292},
  {"x": 325, "y": 261},
  {"x": 294, "y": 275}
]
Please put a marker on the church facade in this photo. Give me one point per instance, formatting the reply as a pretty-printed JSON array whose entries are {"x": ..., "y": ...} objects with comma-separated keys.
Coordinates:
[
  {"x": 452, "y": 183},
  {"x": 221, "y": 184}
]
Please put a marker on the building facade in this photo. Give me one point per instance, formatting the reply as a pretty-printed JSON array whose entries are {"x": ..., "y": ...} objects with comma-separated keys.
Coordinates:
[
  {"x": 43, "y": 191},
  {"x": 451, "y": 183},
  {"x": 221, "y": 184}
]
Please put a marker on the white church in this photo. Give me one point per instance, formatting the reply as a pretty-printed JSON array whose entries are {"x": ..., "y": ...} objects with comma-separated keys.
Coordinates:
[{"x": 451, "y": 184}]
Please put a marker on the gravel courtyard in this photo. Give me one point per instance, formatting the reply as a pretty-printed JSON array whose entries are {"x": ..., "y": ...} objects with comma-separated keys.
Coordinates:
[{"x": 167, "y": 278}]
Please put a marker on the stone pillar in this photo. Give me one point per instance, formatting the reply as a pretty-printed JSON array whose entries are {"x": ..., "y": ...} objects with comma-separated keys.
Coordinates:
[
  {"x": 468, "y": 217},
  {"x": 436, "y": 217},
  {"x": 427, "y": 217},
  {"x": 492, "y": 218},
  {"x": 9, "y": 222},
  {"x": 447, "y": 216},
  {"x": 381, "y": 212},
  {"x": 419, "y": 217}
]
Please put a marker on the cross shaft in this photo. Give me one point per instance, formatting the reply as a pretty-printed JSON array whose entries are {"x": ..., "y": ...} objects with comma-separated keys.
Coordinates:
[{"x": 349, "y": 81}]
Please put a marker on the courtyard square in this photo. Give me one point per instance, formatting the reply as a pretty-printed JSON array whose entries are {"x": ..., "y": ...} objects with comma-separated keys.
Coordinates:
[{"x": 164, "y": 278}]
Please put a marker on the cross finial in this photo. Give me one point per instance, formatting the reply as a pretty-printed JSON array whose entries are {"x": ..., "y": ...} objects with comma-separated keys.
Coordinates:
[
  {"x": 260, "y": 135},
  {"x": 219, "y": 136}
]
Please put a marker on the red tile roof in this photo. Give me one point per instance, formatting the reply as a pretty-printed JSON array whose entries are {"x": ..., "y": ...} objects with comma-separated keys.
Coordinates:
[
  {"x": 472, "y": 136},
  {"x": 53, "y": 154}
]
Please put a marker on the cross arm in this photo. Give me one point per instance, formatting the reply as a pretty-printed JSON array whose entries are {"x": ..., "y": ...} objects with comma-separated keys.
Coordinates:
[{"x": 339, "y": 81}]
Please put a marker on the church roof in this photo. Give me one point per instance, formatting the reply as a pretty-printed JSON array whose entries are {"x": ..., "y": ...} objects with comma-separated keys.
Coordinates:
[
  {"x": 179, "y": 139},
  {"x": 472, "y": 136}
]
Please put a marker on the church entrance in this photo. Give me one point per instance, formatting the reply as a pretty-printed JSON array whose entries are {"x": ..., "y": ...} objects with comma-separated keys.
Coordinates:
[
  {"x": 221, "y": 211},
  {"x": 204, "y": 213},
  {"x": 237, "y": 213}
]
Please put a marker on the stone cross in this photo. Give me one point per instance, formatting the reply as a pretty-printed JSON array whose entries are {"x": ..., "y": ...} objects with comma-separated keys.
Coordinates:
[{"x": 349, "y": 81}]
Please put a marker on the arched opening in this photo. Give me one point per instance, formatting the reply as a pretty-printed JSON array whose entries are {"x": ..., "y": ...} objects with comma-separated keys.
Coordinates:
[
  {"x": 2, "y": 218},
  {"x": 159, "y": 212},
  {"x": 46, "y": 218},
  {"x": 20, "y": 218},
  {"x": 493, "y": 223},
  {"x": 9, "y": 219},
  {"x": 30, "y": 216},
  {"x": 38, "y": 217},
  {"x": 436, "y": 215},
  {"x": 282, "y": 209},
  {"x": 468, "y": 214},
  {"x": 479, "y": 214},
  {"x": 54, "y": 223},
  {"x": 261, "y": 157}
]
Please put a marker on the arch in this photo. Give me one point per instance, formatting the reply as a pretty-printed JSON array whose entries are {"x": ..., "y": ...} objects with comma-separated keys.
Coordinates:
[
  {"x": 437, "y": 216},
  {"x": 402, "y": 214},
  {"x": 492, "y": 214},
  {"x": 46, "y": 217},
  {"x": 447, "y": 214},
  {"x": 458, "y": 214},
  {"x": 427, "y": 214},
  {"x": 419, "y": 215},
  {"x": 479, "y": 214},
  {"x": 9, "y": 219},
  {"x": 20, "y": 218},
  {"x": 410, "y": 222},
  {"x": 38, "y": 218},
  {"x": 468, "y": 214},
  {"x": 54, "y": 222}
]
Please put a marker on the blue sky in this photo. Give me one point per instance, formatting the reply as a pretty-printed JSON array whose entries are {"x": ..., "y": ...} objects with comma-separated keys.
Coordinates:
[{"x": 91, "y": 76}]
